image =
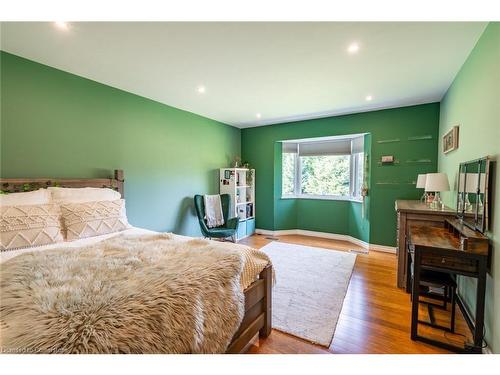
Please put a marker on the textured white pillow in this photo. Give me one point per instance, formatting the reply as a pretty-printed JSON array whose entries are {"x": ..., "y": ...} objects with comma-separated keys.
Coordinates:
[
  {"x": 29, "y": 225},
  {"x": 89, "y": 219},
  {"x": 40, "y": 196},
  {"x": 82, "y": 195}
]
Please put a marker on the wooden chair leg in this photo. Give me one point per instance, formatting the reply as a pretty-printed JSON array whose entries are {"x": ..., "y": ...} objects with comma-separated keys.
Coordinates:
[
  {"x": 453, "y": 308},
  {"x": 445, "y": 297}
]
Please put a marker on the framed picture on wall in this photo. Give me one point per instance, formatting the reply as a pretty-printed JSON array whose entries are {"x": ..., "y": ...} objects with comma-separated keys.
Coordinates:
[{"x": 450, "y": 140}]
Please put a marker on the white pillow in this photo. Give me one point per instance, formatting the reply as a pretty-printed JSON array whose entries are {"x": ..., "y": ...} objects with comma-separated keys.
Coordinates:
[
  {"x": 40, "y": 196},
  {"x": 29, "y": 225},
  {"x": 92, "y": 219},
  {"x": 82, "y": 195}
]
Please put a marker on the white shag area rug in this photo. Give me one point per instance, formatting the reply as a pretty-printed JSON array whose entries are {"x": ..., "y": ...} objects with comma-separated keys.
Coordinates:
[{"x": 311, "y": 284}]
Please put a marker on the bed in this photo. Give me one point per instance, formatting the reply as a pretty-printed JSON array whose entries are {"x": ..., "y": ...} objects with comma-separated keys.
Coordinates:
[{"x": 256, "y": 319}]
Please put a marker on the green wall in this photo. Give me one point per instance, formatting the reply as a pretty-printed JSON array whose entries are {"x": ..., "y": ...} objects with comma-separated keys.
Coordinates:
[
  {"x": 391, "y": 132},
  {"x": 473, "y": 102},
  {"x": 55, "y": 124}
]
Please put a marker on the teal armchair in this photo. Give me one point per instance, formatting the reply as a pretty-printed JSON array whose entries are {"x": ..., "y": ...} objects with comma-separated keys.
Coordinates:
[{"x": 230, "y": 227}]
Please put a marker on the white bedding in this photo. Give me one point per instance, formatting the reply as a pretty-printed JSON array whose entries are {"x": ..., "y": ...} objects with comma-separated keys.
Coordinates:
[{"x": 5, "y": 255}]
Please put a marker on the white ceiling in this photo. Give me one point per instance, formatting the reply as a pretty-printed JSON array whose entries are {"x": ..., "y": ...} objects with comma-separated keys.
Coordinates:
[{"x": 284, "y": 71}]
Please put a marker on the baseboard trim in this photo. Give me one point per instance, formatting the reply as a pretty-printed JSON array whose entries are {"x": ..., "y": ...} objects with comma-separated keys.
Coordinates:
[{"x": 331, "y": 236}]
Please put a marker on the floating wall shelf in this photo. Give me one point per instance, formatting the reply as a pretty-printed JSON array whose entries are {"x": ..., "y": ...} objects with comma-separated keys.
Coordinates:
[
  {"x": 395, "y": 183},
  {"x": 419, "y": 161},
  {"x": 389, "y": 140},
  {"x": 388, "y": 164},
  {"x": 420, "y": 138}
]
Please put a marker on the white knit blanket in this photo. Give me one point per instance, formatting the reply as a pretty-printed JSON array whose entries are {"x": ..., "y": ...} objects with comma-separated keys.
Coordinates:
[{"x": 213, "y": 211}]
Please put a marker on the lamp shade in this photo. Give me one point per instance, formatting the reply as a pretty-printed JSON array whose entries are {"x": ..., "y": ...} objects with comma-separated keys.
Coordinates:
[
  {"x": 461, "y": 183},
  {"x": 421, "y": 181},
  {"x": 437, "y": 182},
  {"x": 471, "y": 184},
  {"x": 482, "y": 183}
]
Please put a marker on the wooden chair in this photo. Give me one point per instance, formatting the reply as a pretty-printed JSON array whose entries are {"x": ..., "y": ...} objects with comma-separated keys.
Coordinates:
[{"x": 438, "y": 280}]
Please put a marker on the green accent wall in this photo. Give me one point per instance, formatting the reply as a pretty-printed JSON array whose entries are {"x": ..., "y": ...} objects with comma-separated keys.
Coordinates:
[
  {"x": 473, "y": 103},
  {"x": 56, "y": 124},
  {"x": 391, "y": 132}
]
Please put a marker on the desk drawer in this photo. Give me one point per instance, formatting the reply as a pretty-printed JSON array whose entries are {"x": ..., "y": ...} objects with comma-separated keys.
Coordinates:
[{"x": 452, "y": 263}]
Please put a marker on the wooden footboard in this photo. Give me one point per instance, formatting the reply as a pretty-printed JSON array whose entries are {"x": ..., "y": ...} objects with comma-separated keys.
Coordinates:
[{"x": 257, "y": 318}]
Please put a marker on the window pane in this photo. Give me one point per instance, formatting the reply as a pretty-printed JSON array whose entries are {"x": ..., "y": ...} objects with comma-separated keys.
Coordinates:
[
  {"x": 288, "y": 173},
  {"x": 358, "y": 174},
  {"x": 325, "y": 175}
]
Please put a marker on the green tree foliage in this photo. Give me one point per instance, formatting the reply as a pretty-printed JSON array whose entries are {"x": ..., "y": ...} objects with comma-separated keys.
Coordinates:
[
  {"x": 325, "y": 175},
  {"x": 320, "y": 175},
  {"x": 288, "y": 173}
]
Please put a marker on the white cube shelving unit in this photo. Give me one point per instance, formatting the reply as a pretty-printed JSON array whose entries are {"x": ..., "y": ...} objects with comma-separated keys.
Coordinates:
[{"x": 239, "y": 183}]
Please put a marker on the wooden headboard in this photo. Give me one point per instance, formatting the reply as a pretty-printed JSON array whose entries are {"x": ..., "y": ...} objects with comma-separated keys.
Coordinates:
[{"x": 14, "y": 185}]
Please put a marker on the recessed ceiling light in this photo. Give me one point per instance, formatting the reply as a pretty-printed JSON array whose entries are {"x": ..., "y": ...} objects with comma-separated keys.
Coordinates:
[
  {"x": 201, "y": 89},
  {"x": 369, "y": 98},
  {"x": 61, "y": 25},
  {"x": 258, "y": 115},
  {"x": 353, "y": 48}
]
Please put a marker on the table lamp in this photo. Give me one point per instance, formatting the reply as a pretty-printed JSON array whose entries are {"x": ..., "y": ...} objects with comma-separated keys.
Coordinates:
[
  {"x": 437, "y": 182},
  {"x": 421, "y": 185}
]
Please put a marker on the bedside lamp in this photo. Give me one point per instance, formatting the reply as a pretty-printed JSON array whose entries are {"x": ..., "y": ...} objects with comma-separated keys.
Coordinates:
[
  {"x": 437, "y": 182},
  {"x": 421, "y": 185}
]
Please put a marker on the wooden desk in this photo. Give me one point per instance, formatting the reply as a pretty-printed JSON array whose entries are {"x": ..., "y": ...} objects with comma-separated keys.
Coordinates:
[
  {"x": 410, "y": 214},
  {"x": 456, "y": 250}
]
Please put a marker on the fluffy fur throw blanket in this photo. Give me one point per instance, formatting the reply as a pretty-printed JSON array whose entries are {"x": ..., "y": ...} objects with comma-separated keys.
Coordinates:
[{"x": 128, "y": 294}]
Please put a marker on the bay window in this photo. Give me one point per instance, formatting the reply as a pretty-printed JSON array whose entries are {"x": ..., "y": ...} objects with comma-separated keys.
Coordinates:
[{"x": 327, "y": 169}]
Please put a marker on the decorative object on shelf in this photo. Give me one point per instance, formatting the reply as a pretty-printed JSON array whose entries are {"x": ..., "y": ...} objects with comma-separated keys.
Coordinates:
[
  {"x": 437, "y": 182},
  {"x": 450, "y": 140},
  {"x": 430, "y": 199},
  {"x": 421, "y": 185},
  {"x": 387, "y": 159},
  {"x": 250, "y": 173},
  {"x": 237, "y": 162}
]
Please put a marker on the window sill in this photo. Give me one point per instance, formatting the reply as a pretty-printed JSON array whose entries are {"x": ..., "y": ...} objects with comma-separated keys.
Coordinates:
[{"x": 322, "y": 198}]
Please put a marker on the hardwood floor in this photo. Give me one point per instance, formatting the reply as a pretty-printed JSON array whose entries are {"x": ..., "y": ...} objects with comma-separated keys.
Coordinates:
[{"x": 375, "y": 317}]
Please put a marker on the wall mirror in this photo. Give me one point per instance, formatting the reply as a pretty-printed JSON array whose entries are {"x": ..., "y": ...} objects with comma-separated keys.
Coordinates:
[{"x": 473, "y": 193}]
